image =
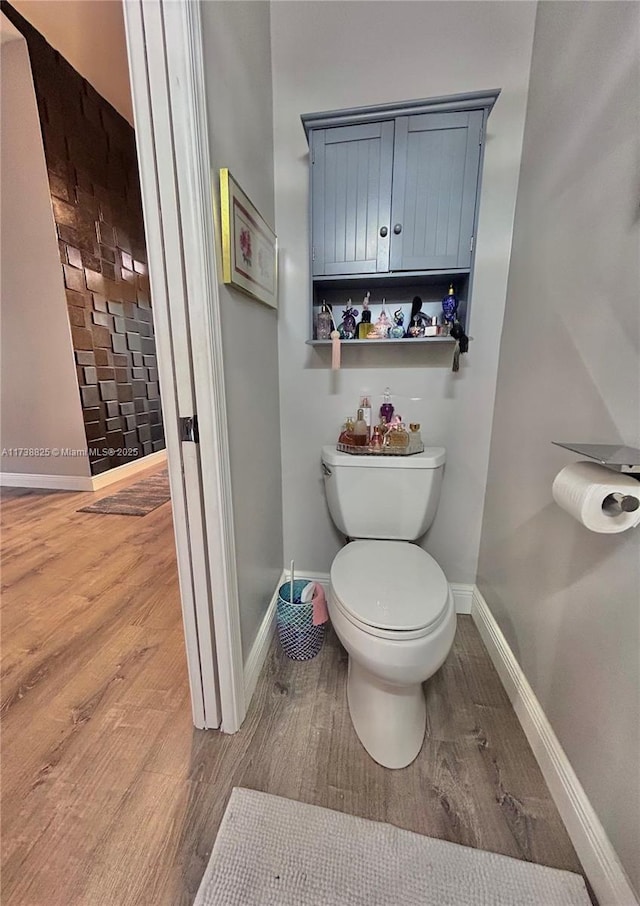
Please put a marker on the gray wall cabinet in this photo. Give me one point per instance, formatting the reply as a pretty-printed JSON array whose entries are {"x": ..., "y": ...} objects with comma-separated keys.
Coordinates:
[{"x": 394, "y": 193}]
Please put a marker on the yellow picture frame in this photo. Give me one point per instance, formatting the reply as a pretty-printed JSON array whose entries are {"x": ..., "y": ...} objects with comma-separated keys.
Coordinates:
[{"x": 249, "y": 245}]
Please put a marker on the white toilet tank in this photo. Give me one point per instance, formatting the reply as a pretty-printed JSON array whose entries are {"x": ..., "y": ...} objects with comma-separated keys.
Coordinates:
[{"x": 387, "y": 497}]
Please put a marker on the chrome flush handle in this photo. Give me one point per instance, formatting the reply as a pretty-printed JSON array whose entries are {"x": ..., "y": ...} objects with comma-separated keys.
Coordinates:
[{"x": 326, "y": 470}]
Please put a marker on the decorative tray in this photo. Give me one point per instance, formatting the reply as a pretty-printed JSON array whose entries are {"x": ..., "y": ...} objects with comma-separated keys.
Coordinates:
[{"x": 415, "y": 446}]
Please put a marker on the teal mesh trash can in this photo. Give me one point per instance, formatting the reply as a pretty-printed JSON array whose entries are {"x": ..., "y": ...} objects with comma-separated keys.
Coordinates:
[{"x": 300, "y": 639}]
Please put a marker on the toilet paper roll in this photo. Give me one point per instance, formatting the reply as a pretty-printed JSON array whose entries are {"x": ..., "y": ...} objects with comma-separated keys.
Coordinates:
[{"x": 581, "y": 490}]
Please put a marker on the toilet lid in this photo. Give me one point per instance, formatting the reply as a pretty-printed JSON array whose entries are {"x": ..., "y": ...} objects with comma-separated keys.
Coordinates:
[{"x": 389, "y": 584}]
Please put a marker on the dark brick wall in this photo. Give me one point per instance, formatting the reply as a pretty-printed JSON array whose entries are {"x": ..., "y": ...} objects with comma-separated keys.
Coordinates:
[{"x": 95, "y": 195}]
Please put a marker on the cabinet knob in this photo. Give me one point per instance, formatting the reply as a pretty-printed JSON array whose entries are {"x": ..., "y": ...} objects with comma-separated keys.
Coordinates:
[
  {"x": 397, "y": 229},
  {"x": 383, "y": 231}
]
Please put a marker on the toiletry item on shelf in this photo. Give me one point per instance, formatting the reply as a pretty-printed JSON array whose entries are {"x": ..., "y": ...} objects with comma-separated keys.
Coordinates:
[
  {"x": 348, "y": 327},
  {"x": 365, "y": 405},
  {"x": 397, "y": 331},
  {"x": 377, "y": 440},
  {"x": 387, "y": 408},
  {"x": 324, "y": 323},
  {"x": 397, "y": 436},
  {"x": 414, "y": 428},
  {"x": 365, "y": 326},
  {"x": 346, "y": 435},
  {"x": 431, "y": 327},
  {"x": 360, "y": 431},
  {"x": 444, "y": 329},
  {"x": 382, "y": 326},
  {"x": 417, "y": 319},
  {"x": 450, "y": 306}
]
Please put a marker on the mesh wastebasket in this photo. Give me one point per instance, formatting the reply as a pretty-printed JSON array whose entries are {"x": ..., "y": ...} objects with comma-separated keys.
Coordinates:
[{"x": 300, "y": 639}]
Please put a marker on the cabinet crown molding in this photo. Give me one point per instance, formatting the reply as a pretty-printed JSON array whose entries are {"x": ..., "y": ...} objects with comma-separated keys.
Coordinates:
[{"x": 474, "y": 100}]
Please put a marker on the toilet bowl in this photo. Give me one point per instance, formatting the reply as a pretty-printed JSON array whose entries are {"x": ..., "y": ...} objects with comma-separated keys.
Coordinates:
[{"x": 392, "y": 609}]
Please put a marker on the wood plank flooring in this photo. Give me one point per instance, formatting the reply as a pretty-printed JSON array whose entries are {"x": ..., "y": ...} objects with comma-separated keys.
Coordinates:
[{"x": 110, "y": 797}]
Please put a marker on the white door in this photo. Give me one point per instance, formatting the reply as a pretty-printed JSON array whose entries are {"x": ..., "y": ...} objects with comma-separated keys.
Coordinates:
[{"x": 165, "y": 62}]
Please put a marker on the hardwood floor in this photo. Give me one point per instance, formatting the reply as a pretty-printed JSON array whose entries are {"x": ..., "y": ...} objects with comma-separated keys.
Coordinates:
[{"x": 111, "y": 798}]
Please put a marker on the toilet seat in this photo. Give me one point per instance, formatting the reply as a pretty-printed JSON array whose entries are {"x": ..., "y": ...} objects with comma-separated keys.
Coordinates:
[{"x": 391, "y": 589}]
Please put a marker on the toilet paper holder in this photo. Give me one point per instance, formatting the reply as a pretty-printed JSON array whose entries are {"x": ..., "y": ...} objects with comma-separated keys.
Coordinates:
[{"x": 617, "y": 457}]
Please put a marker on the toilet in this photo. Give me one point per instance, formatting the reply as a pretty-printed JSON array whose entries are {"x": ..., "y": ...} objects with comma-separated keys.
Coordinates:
[{"x": 389, "y": 601}]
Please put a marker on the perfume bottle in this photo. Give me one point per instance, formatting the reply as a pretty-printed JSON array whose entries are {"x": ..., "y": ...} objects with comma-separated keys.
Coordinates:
[
  {"x": 365, "y": 326},
  {"x": 365, "y": 405},
  {"x": 450, "y": 306},
  {"x": 397, "y": 436},
  {"x": 346, "y": 435},
  {"x": 377, "y": 440},
  {"x": 348, "y": 326},
  {"x": 416, "y": 322},
  {"x": 387, "y": 409},
  {"x": 431, "y": 328},
  {"x": 382, "y": 326},
  {"x": 397, "y": 331},
  {"x": 360, "y": 431},
  {"x": 323, "y": 327}
]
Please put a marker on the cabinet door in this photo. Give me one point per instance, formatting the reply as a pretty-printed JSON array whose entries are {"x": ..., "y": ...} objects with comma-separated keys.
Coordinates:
[
  {"x": 351, "y": 198},
  {"x": 435, "y": 181}
]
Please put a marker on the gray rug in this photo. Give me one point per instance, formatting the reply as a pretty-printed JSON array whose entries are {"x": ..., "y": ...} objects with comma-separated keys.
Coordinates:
[
  {"x": 135, "y": 500},
  {"x": 276, "y": 852}
]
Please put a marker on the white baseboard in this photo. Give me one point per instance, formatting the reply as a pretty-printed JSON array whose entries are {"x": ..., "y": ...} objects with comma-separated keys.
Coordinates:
[
  {"x": 260, "y": 647},
  {"x": 81, "y": 482},
  {"x": 127, "y": 470},
  {"x": 46, "y": 482},
  {"x": 598, "y": 857},
  {"x": 462, "y": 596}
]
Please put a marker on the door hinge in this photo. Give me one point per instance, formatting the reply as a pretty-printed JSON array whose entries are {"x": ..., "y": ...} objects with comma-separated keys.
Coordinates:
[
  {"x": 189, "y": 429},
  {"x": 481, "y": 134},
  {"x": 313, "y": 254},
  {"x": 471, "y": 244}
]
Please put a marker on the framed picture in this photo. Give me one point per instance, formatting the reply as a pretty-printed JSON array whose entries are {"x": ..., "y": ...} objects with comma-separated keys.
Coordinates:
[{"x": 249, "y": 245}]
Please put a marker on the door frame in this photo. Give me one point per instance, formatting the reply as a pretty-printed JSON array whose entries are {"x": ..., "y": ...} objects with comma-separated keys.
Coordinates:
[{"x": 166, "y": 63}]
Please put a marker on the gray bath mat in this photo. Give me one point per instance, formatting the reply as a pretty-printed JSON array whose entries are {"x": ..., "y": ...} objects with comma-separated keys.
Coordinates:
[
  {"x": 136, "y": 500},
  {"x": 276, "y": 852}
]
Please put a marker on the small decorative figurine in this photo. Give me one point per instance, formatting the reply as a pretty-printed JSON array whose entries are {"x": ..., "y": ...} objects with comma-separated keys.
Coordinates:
[
  {"x": 397, "y": 331},
  {"x": 348, "y": 327},
  {"x": 450, "y": 306}
]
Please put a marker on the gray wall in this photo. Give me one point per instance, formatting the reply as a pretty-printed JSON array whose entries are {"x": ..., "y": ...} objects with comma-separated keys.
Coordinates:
[
  {"x": 333, "y": 55},
  {"x": 567, "y": 599},
  {"x": 40, "y": 405},
  {"x": 239, "y": 98}
]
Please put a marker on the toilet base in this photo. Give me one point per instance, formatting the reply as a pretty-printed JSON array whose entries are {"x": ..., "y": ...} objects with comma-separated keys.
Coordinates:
[{"x": 390, "y": 721}]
